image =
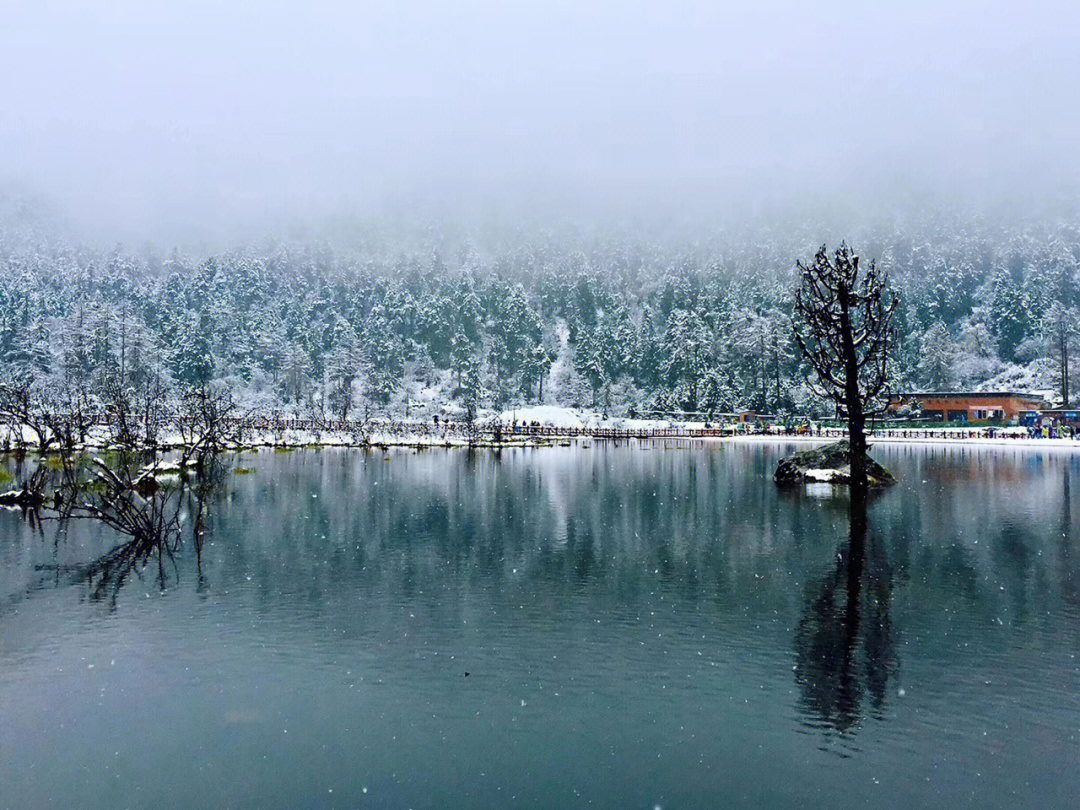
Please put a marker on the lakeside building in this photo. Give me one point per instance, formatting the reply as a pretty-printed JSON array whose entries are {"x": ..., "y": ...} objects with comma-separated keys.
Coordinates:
[{"x": 970, "y": 406}]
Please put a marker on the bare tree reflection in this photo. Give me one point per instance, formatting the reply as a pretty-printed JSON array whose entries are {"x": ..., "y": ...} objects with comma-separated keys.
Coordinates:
[
  {"x": 844, "y": 644},
  {"x": 155, "y": 520}
]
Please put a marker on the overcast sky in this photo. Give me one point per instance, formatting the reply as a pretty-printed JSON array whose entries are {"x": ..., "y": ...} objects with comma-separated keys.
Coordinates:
[{"x": 154, "y": 119}]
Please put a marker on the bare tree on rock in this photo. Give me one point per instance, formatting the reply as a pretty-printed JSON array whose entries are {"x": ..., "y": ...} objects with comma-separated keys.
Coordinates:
[{"x": 842, "y": 321}]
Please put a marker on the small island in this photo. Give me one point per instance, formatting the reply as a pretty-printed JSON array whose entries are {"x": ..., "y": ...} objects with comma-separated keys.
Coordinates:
[{"x": 829, "y": 464}]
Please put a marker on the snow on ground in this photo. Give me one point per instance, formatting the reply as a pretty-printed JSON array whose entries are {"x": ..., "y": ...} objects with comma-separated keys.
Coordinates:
[
  {"x": 559, "y": 417},
  {"x": 546, "y": 415},
  {"x": 563, "y": 417}
]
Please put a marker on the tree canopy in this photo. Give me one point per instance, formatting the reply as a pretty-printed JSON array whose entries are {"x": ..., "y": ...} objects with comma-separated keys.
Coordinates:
[{"x": 611, "y": 321}]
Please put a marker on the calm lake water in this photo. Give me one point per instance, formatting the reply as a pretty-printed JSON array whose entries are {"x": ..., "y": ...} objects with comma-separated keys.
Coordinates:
[{"x": 611, "y": 627}]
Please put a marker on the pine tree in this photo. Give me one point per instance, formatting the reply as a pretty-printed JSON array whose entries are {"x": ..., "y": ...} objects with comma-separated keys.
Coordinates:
[
  {"x": 537, "y": 363},
  {"x": 384, "y": 357},
  {"x": 685, "y": 348},
  {"x": 342, "y": 365},
  {"x": 937, "y": 358},
  {"x": 193, "y": 363},
  {"x": 471, "y": 390}
]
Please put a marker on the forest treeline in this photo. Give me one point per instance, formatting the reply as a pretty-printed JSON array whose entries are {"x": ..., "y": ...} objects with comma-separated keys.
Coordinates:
[{"x": 619, "y": 323}]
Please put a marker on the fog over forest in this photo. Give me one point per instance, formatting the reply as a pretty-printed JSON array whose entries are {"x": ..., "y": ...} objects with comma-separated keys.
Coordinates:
[
  {"x": 346, "y": 206},
  {"x": 208, "y": 124}
]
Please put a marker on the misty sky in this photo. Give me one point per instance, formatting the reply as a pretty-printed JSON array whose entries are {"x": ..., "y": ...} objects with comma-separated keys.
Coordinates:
[{"x": 152, "y": 119}]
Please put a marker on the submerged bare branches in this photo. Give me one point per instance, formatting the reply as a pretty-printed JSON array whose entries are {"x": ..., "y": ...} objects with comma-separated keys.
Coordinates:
[{"x": 154, "y": 518}]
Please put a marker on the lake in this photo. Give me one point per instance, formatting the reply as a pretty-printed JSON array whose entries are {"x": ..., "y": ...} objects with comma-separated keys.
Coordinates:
[{"x": 605, "y": 626}]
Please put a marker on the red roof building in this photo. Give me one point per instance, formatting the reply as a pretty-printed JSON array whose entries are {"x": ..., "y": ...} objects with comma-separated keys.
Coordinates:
[{"x": 970, "y": 406}]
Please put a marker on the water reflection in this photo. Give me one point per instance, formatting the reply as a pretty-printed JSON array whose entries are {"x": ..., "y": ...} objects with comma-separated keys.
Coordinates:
[
  {"x": 845, "y": 645},
  {"x": 629, "y": 618},
  {"x": 152, "y": 514},
  {"x": 157, "y": 526},
  {"x": 1069, "y": 573}
]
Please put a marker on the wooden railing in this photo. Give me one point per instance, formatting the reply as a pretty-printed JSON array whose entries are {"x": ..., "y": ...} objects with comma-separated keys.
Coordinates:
[
  {"x": 374, "y": 428},
  {"x": 449, "y": 429}
]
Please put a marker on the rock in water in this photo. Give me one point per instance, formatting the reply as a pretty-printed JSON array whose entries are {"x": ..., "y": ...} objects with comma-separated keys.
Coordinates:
[{"x": 830, "y": 464}]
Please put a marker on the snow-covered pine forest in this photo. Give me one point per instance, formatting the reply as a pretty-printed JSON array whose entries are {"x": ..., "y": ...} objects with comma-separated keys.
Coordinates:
[{"x": 614, "y": 322}]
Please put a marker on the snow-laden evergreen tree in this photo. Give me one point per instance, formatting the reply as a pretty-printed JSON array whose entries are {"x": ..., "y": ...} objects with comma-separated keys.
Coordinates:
[
  {"x": 192, "y": 359},
  {"x": 471, "y": 390},
  {"x": 685, "y": 346},
  {"x": 384, "y": 356},
  {"x": 937, "y": 359},
  {"x": 342, "y": 368}
]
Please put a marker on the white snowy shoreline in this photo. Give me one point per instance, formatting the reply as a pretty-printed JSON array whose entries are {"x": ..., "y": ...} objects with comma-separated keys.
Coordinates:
[{"x": 581, "y": 434}]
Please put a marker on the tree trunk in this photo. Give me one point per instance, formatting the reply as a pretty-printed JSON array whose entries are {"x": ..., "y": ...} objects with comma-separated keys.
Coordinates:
[
  {"x": 776, "y": 371},
  {"x": 762, "y": 375},
  {"x": 1064, "y": 371},
  {"x": 857, "y": 438},
  {"x": 853, "y": 399}
]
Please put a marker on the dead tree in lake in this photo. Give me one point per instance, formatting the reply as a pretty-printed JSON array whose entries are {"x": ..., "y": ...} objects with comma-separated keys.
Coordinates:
[
  {"x": 58, "y": 417},
  {"x": 69, "y": 416},
  {"x": 842, "y": 325},
  {"x": 210, "y": 420}
]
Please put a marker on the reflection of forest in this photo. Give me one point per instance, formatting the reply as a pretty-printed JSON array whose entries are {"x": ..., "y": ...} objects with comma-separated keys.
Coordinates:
[
  {"x": 709, "y": 523},
  {"x": 551, "y": 529}
]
